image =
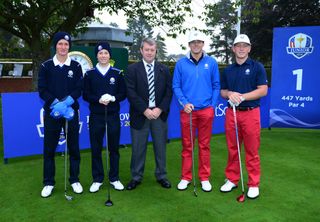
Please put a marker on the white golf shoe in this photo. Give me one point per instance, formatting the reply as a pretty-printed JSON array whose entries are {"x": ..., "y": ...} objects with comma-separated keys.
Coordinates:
[
  {"x": 183, "y": 184},
  {"x": 253, "y": 192},
  {"x": 206, "y": 186},
  {"x": 95, "y": 186},
  {"x": 47, "y": 191},
  {"x": 117, "y": 185},
  {"x": 228, "y": 186},
  {"x": 77, "y": 188}
]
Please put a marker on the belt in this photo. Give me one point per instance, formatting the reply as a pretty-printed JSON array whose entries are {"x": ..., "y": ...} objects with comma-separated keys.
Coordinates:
[{"x": 241, "y": 108}]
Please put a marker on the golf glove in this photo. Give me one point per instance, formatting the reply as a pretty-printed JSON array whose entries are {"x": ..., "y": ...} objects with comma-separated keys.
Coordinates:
[
  {"x": 55, "y": 101},
  {"x": 69, "y": 114},
  {"x": 107, "y": 97},
  {"x": 232, "y": 104},
  {"x": 68, "y": 101},
  {"x": 57, "y": 112}
]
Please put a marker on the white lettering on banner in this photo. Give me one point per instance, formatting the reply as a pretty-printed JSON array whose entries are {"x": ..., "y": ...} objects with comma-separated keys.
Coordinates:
[
  {"x": 220, "y": 110},
  {"x": 124, "y": 116},
  {"x": 297, "y": 101},
  {"x": 87, "y": 117},
  {"x": 124, "y": 119}
]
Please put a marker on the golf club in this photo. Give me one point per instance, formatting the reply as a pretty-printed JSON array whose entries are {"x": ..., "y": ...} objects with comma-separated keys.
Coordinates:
[
  {"x": 68, "y": 197},
  {"x": 108, "y": 202},
  {"x": 241, "y": 198},
  {"x": 192, "y": 147}
]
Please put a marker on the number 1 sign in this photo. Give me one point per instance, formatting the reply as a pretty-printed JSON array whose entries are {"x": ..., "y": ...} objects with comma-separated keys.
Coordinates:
[{"x": 295, "y": 89}]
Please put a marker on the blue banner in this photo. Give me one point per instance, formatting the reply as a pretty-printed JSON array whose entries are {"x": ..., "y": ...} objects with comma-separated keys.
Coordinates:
[
  {"x": 22, "y": 118},
  {"x": 295, "y": 97}
]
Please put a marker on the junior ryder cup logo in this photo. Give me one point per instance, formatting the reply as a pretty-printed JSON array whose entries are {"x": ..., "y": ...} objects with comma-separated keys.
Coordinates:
[
  {"x": 70, "y": 74},
  {"x": 112, "y": 81},
  {"x": 300, "y": 45}
]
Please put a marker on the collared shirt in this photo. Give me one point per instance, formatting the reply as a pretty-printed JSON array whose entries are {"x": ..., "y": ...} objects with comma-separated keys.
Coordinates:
[
  {"x": 194, "y": 60},
  {"x": 103, "y": 69},
  {"x": 244, "y": 78},
  {"x": 57, "y": 62},
  {"x": 146, "y": 65}
]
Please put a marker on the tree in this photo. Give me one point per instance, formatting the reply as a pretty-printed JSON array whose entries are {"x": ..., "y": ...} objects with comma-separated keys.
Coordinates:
[
  {"x": 36, "y": 21},
  {"x": 12, "y": 46},
  {"x": 222, "y": 17},
  {"x": 161, "y": 48},
  {"x": 259, "y": 19},
  {"x": 139, "y": 29}
]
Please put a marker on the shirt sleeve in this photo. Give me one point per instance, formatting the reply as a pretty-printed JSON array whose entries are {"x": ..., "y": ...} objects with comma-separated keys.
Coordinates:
[
  {"x": 215, "y": 85},
  {"x": 261, "y": 75},
  {"x": 177, "y": 85}
]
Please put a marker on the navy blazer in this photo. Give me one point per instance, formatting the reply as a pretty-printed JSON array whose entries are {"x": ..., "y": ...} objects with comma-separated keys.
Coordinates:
[{"x": 138, "y": 94}]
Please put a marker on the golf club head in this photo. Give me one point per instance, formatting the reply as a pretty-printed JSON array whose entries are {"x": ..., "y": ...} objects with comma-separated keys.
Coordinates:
[
  {"x": 69, "y": 198},
  {"x": 195, "y": 193},
  {"x": 241, "y": 198},
  {"x": 108, "y": 203}
]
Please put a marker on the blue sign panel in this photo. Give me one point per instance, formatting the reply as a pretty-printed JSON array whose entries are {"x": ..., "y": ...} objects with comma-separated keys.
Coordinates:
[
  {"x": 295, "y": 97},
  {"x": 22, "y": 118}
]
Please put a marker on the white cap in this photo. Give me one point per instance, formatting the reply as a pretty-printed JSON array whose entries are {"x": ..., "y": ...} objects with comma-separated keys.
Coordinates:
[
  {"x": 195, "y": 35},
  {"x": 242, "y": 38}
]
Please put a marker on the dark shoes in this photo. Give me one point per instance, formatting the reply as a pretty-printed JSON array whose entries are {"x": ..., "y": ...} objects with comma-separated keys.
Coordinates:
[
  {"x": 133, "y": 184},
  {"x": 165, "y": 183}
]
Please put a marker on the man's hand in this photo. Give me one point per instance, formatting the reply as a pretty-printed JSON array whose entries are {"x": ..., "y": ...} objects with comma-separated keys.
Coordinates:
[
  {"x": 188, "y": 108},
  {"x": 235, "y": 98},
  {"x": 69, "y": 114},
  {"x": 156, "y": 112},
  {"x": 106, "y": 98},
  {"x": 149, "y": 114},
  {"x": 104, "y": 102}
]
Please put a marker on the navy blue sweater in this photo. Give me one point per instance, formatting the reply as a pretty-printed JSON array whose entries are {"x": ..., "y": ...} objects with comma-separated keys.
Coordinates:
[
  {"x": 59, "y": 82},
  {"x": 96, "y": 84}
]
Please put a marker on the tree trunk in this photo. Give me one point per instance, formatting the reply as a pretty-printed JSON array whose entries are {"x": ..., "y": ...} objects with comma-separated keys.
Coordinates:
[{"x": 38, "y": 57}]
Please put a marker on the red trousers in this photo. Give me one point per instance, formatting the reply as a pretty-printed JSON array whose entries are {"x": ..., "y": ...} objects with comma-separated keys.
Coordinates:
[
  {"x": 202, "y": 121},
  {"x": 249, "y": 133}
]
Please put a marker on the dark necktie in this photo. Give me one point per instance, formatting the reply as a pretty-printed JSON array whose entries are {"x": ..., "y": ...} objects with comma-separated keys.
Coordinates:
[{"x": 150, "y": 76}]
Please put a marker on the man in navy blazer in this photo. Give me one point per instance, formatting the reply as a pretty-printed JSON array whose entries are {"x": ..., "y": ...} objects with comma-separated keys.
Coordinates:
[{"x": 149, "y": 93}]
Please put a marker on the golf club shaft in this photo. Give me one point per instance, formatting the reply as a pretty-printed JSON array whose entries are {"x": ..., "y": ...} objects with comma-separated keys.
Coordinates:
[
  {"x": 107, "y": 154},
  {"x": 66, "y": 161},
  {"x": 192, "y": 148},
  {"x": 238, "y": 145}
]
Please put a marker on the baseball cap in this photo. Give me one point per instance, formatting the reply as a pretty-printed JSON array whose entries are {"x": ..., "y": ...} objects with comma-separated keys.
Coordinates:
[
  {"x": 195, "y": 35},
  {"x": 242, "y": 38}
]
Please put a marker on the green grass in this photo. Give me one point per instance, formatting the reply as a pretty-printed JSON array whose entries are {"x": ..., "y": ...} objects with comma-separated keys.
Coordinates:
[{"x": 289, "y": 187}]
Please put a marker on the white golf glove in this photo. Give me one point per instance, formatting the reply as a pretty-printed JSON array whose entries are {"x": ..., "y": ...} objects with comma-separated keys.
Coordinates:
[
  {"x": 233, "y": 104},
  {"x": 107, "y": 97},
  {"x": 236, "y": 104}
]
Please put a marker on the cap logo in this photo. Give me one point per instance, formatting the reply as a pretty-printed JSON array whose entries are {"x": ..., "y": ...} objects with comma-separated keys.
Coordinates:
[
  {"x": 100, "y": 48},
  {"x": 66, "y": 38}
]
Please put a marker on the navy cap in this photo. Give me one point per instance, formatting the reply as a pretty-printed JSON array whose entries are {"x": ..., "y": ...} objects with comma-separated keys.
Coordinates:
[
  {"x": 61, "y": 35},
  {"x": 102, "y": 45}
]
